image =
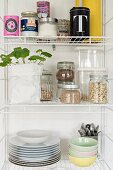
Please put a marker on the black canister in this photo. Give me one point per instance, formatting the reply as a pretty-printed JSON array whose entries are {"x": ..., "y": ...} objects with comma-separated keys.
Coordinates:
[{"x": 80, "y": 21}]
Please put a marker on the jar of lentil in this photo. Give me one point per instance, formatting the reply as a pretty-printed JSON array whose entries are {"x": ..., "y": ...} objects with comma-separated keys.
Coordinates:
[
  {"x": 70, "y": 94},
  {"x": 46, "y": 86},
  {"x": 98, "y": 88},
  {"x": 60, "y": 84},
  {"x": 65, "y": 71}
]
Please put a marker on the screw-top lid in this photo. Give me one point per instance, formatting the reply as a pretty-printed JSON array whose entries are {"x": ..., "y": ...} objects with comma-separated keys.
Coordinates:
[
  {"x": 46, "y": 72},
  {"x": 29, "y": 13},
  {"x": 99, "y": 76},
  {"x": 71, "y": 86},
  {"x": 60, "y": 83},
  {"x": 48, "y": 19},
  {"x": 65, "y": 65}
]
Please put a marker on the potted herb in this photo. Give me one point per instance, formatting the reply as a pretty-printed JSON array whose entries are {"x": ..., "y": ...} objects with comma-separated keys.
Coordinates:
[{"x": 24, "y": 72}]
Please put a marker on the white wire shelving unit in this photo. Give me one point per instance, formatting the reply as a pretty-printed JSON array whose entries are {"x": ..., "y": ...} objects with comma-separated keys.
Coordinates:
[
  {"x": 58, "y": 40},
  {"x": 61, "y": 165}
]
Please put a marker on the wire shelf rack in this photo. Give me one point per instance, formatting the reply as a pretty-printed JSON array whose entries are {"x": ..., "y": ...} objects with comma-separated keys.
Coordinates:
[
  {"x": 59, "y": 40},
  {"x": 61, "y": 165}
]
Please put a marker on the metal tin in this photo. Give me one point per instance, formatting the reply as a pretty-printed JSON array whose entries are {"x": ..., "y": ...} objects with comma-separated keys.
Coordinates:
[
  {"x": 11, "y": 25},
  {"x": 43, "y": 9},
  {"x": 80, "y": 21}
]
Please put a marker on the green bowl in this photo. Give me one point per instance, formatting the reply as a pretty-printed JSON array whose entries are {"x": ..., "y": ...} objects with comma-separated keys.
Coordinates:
[{"x": 83, "y": 144}]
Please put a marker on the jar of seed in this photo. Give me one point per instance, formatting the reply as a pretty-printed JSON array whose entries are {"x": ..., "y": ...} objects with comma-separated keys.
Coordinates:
[
  {"x": 98, "y": 88},
  {"x": 46, "y": 86},
  {"x": 70, "y": 94},
  {"x": 65, "y": 71}
]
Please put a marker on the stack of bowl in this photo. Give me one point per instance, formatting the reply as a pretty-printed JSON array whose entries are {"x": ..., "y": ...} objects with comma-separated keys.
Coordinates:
[{"x": 83, "y": 151}]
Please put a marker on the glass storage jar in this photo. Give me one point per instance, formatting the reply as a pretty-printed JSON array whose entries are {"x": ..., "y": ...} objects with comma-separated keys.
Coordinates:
[
  {"x": 65, "y": 71},
  {"x": 98, "y": 88},
  {"x": 70, "y": 94},
  {"x": 46, "y": 86},
  {"x": 48, "y": 27},
  {"x": 84, "y": 78},
  {"x": 59, "y": 88},
  {"x": 91, "y": 58},
  {"x": 29, "y": 23}
]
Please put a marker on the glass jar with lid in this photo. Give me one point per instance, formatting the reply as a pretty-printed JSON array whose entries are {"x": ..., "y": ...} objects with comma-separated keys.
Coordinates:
[
  {"x": 60, "y": 84},
  {"x": 98, "y": 88},
  {"x": 65, "y": 71},
  {"x": 46, "y": 86},
  {"x": 29, "y": 23},
  {"x": 48, "y": 27},
  {"x": 70, "y": 94}
]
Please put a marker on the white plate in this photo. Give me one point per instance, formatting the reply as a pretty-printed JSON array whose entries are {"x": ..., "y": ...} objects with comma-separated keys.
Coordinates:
[
  {"x": 27, "y": 164},
  {"x": 34, "y": 155},
  {"x": 38, "y": 149},
  {"x": 33, "y": 152},
  {"x": 40, "y": 159},
  {"x": 52, "y": 140},
  {"x": 33, "y": 136}
]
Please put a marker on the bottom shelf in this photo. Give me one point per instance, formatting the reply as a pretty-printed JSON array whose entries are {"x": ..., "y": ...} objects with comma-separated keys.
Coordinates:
[{"x": 61, "y": 165}]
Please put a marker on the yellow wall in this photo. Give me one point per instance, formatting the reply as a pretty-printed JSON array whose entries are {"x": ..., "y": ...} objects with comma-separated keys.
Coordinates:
[{"x": 95, "y": 15}]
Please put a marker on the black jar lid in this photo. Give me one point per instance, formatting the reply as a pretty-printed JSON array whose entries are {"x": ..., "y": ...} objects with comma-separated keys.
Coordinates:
[{"x": 79, "y": 8}]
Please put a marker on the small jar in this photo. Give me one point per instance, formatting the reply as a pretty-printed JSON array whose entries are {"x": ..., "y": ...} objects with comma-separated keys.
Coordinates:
[
  {"x": 59, "y": 88},
  {"x": 46, "y": 86},
  {"x": 65, "y": 71},
  {"x": 29, "y": 23},
  {"x": 63, "y": 27},
  {"x": 48, "y": 27},
  {"x": 70, "y": 94},
  {"x": 98, "y": 88}
]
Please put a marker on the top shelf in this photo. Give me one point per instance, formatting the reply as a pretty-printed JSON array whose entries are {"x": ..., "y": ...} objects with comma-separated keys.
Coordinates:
[{"x": 59, "y": 41}]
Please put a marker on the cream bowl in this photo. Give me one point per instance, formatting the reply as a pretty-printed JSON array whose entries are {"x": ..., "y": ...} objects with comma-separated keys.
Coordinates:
[
  {"x": 83, "y": 144},
  {"x": 82, "y": 162}
]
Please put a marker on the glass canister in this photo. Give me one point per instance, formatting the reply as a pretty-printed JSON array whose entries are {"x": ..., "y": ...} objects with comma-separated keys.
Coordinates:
[
  {"x": 98, "y": 88},
  {"x": 65, "y": 71},
  {"x": 29, "y": 23},
  {"x": 46, "y": 86},
  {"x": 48, "y": 26},
  {"x": 70, "y": 94},
  {"x": 91, "y": 58},
  {"x": 59, "y": 88}
]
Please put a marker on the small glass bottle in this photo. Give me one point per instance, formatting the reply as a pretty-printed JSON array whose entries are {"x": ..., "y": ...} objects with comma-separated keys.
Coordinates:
[
  {"x": 98, "y": 88},
  {"x": 46, "y": 86},
  {"x": 65, "y": 71},
  {"x": 70, "y": 94}
]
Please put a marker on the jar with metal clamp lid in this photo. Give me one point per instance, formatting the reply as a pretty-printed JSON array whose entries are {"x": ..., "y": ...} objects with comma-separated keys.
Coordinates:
[{"x": 46, "y": 86}]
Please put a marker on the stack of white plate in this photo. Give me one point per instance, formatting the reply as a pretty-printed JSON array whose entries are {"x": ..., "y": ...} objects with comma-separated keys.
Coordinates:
[{"x": 32, "y": 149}]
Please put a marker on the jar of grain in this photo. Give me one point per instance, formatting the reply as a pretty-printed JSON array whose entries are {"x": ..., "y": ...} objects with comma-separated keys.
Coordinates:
[
  {"x": 98, "y": 88},
  {"x": 46, "y": 86},
  {"x": 70, "y": 94},
  {"x": 65, "y": 71}
]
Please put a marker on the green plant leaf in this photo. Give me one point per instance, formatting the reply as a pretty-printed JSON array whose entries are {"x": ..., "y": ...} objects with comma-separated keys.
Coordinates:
[
  {"x": 46, "y": 54},
  {"x": 25, "y": 53},
  {"x": 17, "y": 48},
  {"x": 39, "y": 51},
  {"x": 35, "y": 58}
]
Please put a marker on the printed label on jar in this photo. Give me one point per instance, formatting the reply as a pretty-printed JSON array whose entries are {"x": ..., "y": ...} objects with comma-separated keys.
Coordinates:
[
  {"x": 11, "y": 25},
  {"x": 29, "y": 25}
]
